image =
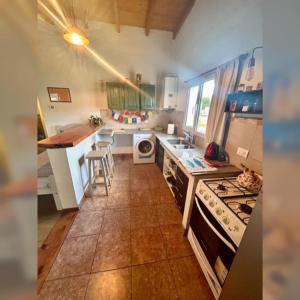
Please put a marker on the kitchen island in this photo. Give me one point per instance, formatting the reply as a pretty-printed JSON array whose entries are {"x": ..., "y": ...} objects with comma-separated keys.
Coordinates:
[{"x": 66, "y": 153}]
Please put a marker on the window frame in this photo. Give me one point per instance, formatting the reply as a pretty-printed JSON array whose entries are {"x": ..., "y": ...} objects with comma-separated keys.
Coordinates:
[{"x": 201, "y": 82}]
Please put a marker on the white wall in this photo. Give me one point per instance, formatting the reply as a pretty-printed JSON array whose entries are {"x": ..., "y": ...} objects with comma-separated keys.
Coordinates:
[
  {"x": 215, "y": 32},
  {"x": 63, "y": 65}
]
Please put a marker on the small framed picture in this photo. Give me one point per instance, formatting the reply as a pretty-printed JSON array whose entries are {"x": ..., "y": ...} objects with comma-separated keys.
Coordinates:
[
  {"x": 241, "y": 88},
  {"x": 57, "y": 94},
  {"x": 259, "y": 86},
  {"x": 249, "y": 88}
]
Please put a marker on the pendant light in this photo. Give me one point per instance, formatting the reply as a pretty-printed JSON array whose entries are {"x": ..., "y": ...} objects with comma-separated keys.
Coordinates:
[
  {"x": 74, "y": 37},
  {"x": 251, "y": 66}
]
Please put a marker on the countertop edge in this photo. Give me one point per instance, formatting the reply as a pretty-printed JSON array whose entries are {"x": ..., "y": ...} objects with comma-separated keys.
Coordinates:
[{"x": 69, "y": 138}]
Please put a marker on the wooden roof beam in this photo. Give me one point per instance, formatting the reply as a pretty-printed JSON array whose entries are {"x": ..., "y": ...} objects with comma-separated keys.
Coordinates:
[
  {"x": 117, "y": 15},
  {"x": 148, "y": 16},
  {"x": 189, "y": 6}
]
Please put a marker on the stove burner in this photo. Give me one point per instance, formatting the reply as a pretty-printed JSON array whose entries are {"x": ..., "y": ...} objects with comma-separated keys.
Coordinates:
[
  {"x": 221, "y": 187},
  {"x": 246, "y": 208}
]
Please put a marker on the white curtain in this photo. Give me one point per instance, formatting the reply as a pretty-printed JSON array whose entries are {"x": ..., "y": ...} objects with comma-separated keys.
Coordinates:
[{"x": 225, "y": 79}]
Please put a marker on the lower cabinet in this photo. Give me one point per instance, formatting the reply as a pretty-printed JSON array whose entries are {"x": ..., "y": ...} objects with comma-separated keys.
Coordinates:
[
  {"x": 180, "y": 191},
  {"x": 159, "y": 155}
]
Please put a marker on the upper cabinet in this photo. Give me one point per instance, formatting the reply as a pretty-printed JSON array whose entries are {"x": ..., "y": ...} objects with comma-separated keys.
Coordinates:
[
  {"x": 147, "y": 97},
  {"x": 115, "y": 95},
  {"x": 122, "y": 96},
  {"x": 130, "y": 98}
]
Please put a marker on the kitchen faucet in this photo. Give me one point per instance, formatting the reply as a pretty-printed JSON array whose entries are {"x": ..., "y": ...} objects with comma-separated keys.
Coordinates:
[{"x": 189, "y": 137}]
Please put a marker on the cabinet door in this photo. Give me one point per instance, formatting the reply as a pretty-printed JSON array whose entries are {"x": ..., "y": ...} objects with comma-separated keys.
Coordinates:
[
  {"x": 159, "y": 155},
  {"x": 131, "y": 98},
  {"x": 114, "y": 95},
  {"x": 148, "y": 97},
  {"x": 182, "y": 183}
]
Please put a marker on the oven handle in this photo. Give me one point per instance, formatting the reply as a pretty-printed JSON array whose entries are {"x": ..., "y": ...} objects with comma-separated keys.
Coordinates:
[{"x": 228, "y": 244}]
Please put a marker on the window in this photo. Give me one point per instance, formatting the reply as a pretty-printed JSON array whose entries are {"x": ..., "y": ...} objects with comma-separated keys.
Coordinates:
[
  {"x": 190, "y": 117},
  {"x": 199, "y": 105},
  {"x": 207, "y": 93}
]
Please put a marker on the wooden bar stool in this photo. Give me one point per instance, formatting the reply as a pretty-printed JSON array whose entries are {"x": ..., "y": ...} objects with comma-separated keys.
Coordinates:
[
  {"x": 110, "y": 159},
  {"x": 101, "y": 156}
]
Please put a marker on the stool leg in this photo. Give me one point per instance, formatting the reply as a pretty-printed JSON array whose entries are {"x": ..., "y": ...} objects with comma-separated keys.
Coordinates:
[
  {"x": 111, "y": 159},
  {"x": 90, "y": 171},
  {"x": 107, "y": 170},
  {"x": 105, "y": 176},
  {"x": 110, "y": 173}
]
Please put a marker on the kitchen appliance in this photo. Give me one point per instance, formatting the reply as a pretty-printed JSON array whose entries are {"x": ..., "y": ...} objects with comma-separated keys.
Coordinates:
[
  {"x": 170, "y": 90},
  {"x": 171, "y": 128},
  {"x": 143, "y": 148},
  {"x": 220, "y": 214}
]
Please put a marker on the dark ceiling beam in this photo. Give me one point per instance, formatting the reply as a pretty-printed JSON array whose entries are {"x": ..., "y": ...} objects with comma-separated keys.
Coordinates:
[
  {"x": 148, "y": 16},
  {"x": 185, "y": 13},
  {"x": 117, "y": 15}
]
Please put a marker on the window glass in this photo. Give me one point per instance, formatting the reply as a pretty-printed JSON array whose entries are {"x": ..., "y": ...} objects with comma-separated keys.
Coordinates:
[
  {"x": 191, "y": 111},
  {"x": 205, "y": 102}
]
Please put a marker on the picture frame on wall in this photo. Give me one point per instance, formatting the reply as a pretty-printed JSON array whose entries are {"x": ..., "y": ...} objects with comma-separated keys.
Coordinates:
[{"x": 58, "y": 94}]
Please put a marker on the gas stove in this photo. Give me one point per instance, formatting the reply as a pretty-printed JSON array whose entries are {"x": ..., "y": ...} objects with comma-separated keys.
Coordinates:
[{"x": 229, "y": 203}]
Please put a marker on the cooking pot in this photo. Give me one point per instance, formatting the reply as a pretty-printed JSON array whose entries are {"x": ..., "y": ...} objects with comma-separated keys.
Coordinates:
[{"x": 249, "y": 180}]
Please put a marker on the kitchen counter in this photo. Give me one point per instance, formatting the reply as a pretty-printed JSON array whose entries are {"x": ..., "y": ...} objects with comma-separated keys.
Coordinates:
[
  {"x": 182, "y": 154},
  {"x": 69, "y": 138}
]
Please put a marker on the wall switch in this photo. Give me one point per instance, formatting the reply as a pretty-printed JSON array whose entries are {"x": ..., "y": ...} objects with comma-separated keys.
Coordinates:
[{"x": 242, "y": 152}]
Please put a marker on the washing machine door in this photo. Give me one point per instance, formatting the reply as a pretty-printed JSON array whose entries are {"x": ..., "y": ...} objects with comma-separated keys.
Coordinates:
[{"x": 145, "y": 147}]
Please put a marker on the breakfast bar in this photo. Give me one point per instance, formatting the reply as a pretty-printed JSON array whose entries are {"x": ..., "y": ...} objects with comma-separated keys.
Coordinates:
[{"x": 66, "y": 153}]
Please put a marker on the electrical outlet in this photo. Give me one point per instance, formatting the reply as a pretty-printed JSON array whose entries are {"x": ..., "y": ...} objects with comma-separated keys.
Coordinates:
[{"x": 242, "y": 152}]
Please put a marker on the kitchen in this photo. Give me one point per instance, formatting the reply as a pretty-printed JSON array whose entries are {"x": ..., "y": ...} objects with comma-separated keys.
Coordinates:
[{"x": 145, "y": 198}]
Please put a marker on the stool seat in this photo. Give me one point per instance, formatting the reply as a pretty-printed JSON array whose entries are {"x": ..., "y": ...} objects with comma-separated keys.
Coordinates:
[
  {"x": 96, "y": 154},
  {"x": 104, "y": 143}
]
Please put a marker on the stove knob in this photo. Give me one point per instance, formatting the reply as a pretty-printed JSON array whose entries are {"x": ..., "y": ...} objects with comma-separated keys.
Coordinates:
[
  {"x": 211, "y": 203},
  {"x": 226, "y": 220},
  {"x": 218, "y": 210},
  {"x": 201, "y": 191},
  {"x": 236, "y": 228},
  {"x": 206, "y": 197}
]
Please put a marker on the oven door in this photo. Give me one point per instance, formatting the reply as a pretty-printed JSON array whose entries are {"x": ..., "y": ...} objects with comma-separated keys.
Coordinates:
[{"x": 213, "y": 240}]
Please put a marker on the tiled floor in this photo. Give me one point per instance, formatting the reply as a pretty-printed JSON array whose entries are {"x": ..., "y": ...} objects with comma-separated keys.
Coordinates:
[{"x": 128, "y": 245}]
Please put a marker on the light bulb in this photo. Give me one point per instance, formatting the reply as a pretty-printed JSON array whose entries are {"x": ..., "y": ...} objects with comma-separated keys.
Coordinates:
[{"x": 76, "y": 39}]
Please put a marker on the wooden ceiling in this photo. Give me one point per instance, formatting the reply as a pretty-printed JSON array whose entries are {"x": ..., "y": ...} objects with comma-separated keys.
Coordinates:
[{"x": 168, "y": 15}]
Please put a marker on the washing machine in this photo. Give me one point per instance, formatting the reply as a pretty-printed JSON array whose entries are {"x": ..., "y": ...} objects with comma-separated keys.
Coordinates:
[{"x": 143, "y": 148}]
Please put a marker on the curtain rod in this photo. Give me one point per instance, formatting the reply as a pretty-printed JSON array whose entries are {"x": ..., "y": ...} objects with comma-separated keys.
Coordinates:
[{"x": 242, "y": 56}]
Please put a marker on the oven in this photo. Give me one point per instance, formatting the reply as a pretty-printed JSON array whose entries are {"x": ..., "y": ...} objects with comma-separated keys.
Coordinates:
[{"x": 215, "y": 248}]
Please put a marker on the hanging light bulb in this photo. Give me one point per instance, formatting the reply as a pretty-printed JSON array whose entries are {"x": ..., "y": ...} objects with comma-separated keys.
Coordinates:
[
  {"x": 251, "y": 66},
  {"x": 76, "y": 38}
]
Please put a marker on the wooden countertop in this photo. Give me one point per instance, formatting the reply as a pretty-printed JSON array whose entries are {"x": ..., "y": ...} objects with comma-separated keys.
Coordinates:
[{"x": 69, "y": 138}]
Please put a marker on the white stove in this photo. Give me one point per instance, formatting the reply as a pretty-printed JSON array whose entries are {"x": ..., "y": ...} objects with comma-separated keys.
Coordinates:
[{"x": 230, "y": 204}]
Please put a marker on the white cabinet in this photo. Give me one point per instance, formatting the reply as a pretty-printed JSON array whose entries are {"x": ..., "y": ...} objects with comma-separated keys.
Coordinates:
[{"x": 170, "y": 92}]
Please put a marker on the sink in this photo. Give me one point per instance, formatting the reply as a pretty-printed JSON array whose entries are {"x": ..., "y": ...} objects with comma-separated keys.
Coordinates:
[
  {"x": 183, "y": 146},
  {"x": 179, "y": 144},
  {"x": 174, "y": 141}
]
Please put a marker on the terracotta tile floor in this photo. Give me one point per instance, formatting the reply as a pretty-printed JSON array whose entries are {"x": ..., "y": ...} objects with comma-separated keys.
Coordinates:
[{"x": 129, "y": 245}]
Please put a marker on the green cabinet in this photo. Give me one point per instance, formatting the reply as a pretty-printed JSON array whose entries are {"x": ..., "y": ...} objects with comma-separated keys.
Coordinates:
[
  {"x": 147, "y": 97},
  {"x": 131, "y": 98},
  {"x": 115, "y": 95},
  {"x": 121, "y": 96}
]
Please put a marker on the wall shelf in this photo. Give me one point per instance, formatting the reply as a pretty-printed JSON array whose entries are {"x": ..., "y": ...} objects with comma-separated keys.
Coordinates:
[{"x": 245, "y": 103}]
